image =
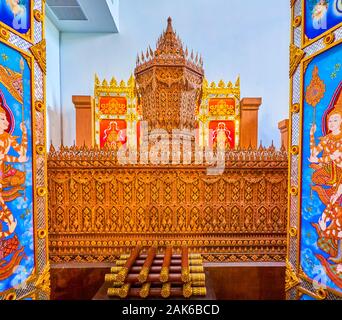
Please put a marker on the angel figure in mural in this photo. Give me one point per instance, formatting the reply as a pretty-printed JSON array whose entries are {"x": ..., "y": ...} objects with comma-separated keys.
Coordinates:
[
  {"x": 222, "y": 137},
  {"x": 11, "y": 185},
  {"x": 319, "y": 14},
  {"x": 16, "y": 8},
  {"x": 114, "y": 137},
  {"x": 327, "y": 178}
]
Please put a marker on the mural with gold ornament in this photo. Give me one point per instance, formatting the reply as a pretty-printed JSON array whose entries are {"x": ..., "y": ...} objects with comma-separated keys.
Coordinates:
[{"x": 118, "y": 114}]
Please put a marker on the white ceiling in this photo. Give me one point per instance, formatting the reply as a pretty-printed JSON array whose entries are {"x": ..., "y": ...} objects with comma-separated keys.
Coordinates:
[{"x": 99, "y": 15}]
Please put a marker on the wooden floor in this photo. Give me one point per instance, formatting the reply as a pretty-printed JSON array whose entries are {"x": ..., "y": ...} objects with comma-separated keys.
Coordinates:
[{"x": 229, "y": 283}]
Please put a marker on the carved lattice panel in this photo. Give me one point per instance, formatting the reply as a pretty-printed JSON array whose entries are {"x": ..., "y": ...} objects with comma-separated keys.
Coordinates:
[{"x": 184, "y": 205}]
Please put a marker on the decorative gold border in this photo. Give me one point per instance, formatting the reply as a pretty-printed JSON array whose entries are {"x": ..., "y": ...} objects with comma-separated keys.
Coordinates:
[
  {"x": 305, "y": 43},
  {"x": 29, "y": 36}
]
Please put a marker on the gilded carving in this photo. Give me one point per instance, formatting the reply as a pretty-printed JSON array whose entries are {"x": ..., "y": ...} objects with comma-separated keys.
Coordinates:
[
  {"x": 99, "y": 208},
  {"x": 291, "y": 279},
  {"x": 296, "y": 56},
  {"x": 39, "y": 53},
  {"x": 329, "y": 39},
  {"x": 43, "y": 280},
  {"x": 4, "y": 34}
]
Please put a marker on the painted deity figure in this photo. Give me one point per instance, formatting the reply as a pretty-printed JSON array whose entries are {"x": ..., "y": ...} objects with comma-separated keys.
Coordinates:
[
  {"x": 12, "y": 183},
  {"x": 9, "y": 177},
  {"x": 113, "y": 136},
  {"x": 16, "y": 8},
  {"x": 19, "y": 14},
  {"x": 319, "y": 14},
  {"x": 328, "y": 185},
  {"x": 222, "y": 137}
]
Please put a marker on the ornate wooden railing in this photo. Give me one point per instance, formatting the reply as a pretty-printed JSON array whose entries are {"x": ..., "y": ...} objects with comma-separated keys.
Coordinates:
[{"x": 98, "y": 208}]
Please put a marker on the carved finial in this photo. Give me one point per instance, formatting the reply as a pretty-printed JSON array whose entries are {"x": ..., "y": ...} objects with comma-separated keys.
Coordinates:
[
  {"x": 192, "y": 55},
  {"x": 230, "y": 84},
  {"x": 186, "y": 52},
  {"x": 142, "y": 57},
  {"x": 196, "y": 59},
  {"x": 130, "y": 82},
  {"x": 52, "y": 148},
  {"x": 113, "y": 82},
  {"x": 261, "y": 148},
  {"x": 250, "y": 146},
  {"x": 237, "y": 83},
  {"x": 151, "y": 52},
  {"x": 169, "y": 28},
  {"x": 97, "y": 80},
  {"x": 282, "y": 149},
  {"x": 147, "y": 54},
  {"x": 221, "y": 84},
  {"x": 138, "y": 60},
  {"x": 104, "y": 83}
]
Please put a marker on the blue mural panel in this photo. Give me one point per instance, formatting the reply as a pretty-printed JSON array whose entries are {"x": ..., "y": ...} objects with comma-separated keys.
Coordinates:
[
  {"x": 321, "y": 211},
  {"x": 16, "y": 14},
  {"x": 321, "y": 15},
  {"x": 16, "y": 166}
]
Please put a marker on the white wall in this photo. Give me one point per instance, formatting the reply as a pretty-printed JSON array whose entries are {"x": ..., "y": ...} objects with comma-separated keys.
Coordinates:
[
  {"x": 246, "y": 38},
  {"x": 53, "y": 89}
]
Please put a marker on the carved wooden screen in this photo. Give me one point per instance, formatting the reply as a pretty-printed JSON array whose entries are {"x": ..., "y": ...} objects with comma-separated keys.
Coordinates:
[
  {"x": 24, "y": 271},
  {"x": 314, "y": 266}
]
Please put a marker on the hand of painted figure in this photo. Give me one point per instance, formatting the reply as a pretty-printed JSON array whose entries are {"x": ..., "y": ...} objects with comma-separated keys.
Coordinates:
[
  {"x": 12, "y": 224},
  {"x": 337, "y": 195},
  {"x": 339, "y": 268},
  {"x": 337, "y": 154},
  {"x": 22, "y": 157},
  {"x": 322, "y": 224},
  {"x": 313, "y": 159},
  {"x": 313, "y": 129},
  {"x": 23, "y": 128}
]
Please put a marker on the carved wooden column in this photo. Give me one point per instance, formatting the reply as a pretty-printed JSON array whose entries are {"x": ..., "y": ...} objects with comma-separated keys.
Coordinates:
[
  {"x": 84, "y": 120},
  {"x": 249, "y": 122},
  {"x": 284, "y": 131}
]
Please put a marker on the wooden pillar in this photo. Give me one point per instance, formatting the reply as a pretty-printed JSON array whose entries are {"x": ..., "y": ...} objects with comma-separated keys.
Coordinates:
[
  {"x": 84, "y": 120},
  {"x": 249, "y": 122},
  {"x": 284, "y": 131}
]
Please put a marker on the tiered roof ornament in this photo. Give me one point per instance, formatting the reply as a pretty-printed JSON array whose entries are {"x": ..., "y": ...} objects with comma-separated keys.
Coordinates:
[{"x": 169, "y": 83}]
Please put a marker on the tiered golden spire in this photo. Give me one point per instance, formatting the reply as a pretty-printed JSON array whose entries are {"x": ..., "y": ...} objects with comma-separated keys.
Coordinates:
[
  {"x": 169, "y": 43},
  {"x": 169, "y": 46}
]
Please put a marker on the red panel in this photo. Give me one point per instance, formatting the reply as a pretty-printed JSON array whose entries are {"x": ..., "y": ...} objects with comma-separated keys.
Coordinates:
[
  {"x": 113, "y": 133},
  {"x": 222, "y": 130},
  {"x": 113, "y": 105}
]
